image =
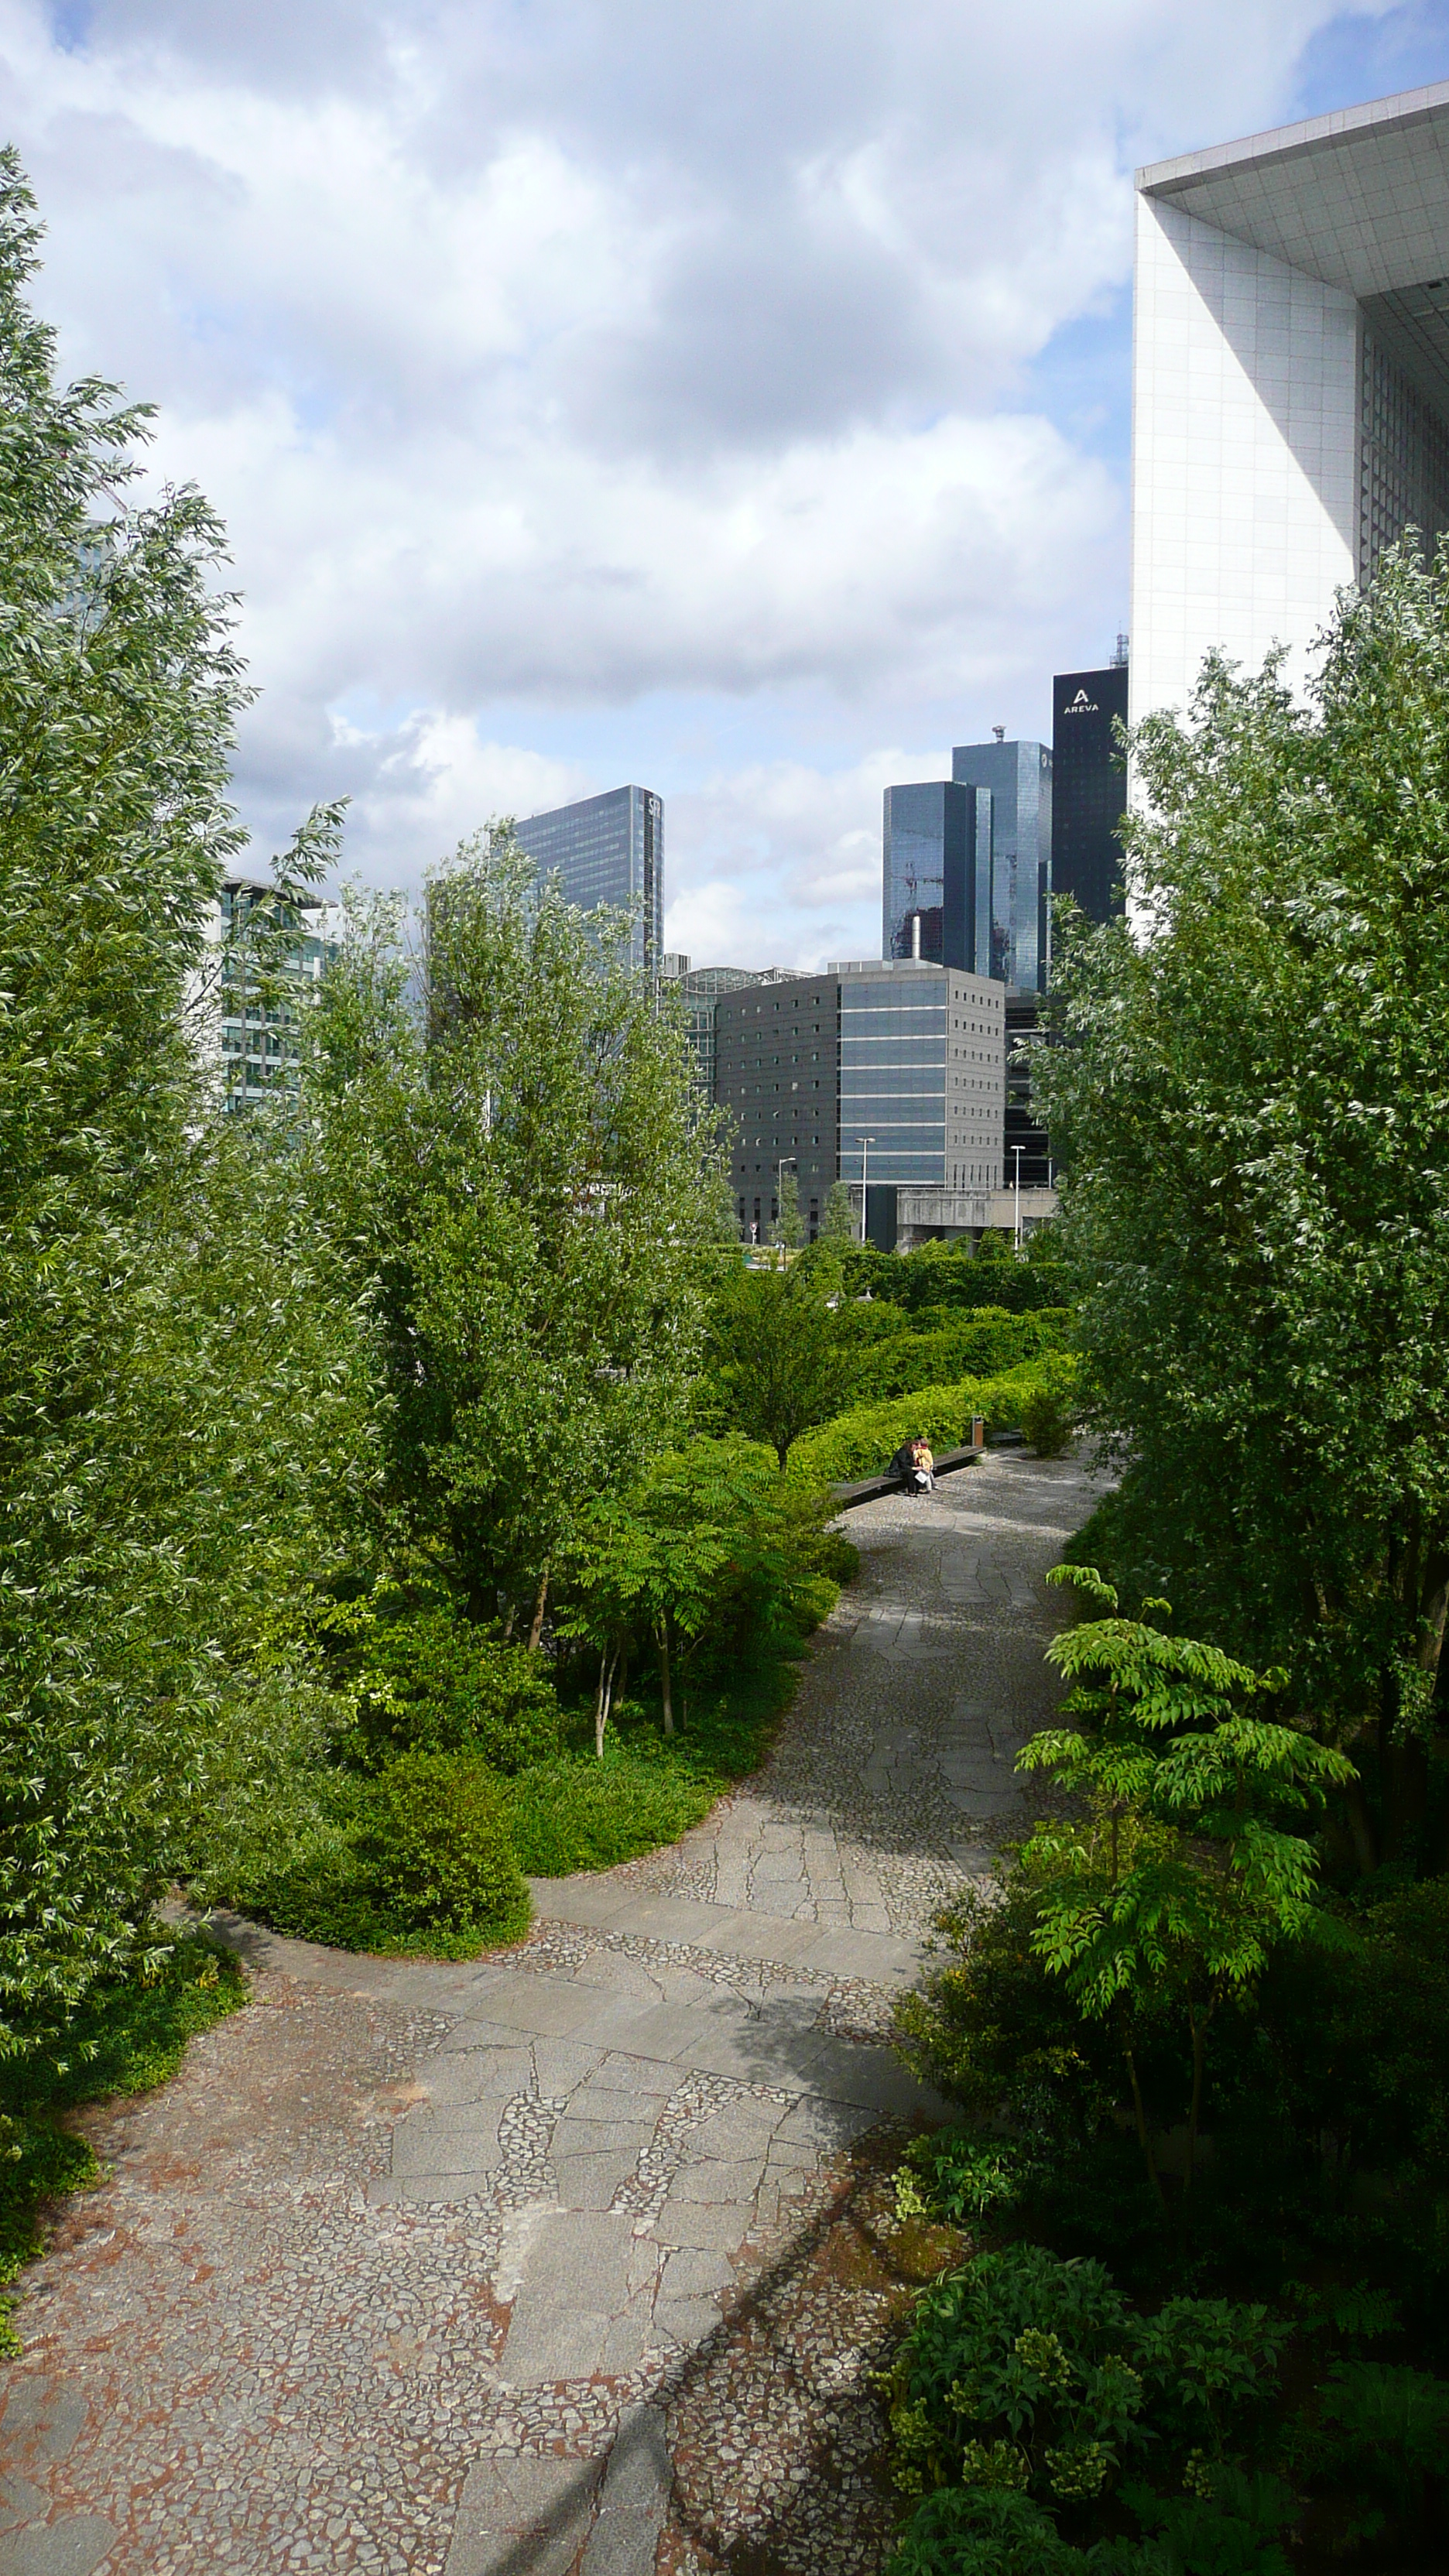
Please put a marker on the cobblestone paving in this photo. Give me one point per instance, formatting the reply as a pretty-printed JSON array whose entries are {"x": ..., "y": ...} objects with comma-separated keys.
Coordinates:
[{"x": 555, "y": 2264}]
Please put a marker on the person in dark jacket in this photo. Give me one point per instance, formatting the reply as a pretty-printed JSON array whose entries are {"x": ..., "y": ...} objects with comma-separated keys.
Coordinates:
[{"x": 913, "y": 1464}]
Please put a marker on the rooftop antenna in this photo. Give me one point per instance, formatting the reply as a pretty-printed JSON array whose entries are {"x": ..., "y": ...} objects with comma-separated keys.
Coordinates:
[{"x": 1119, "y": 657}]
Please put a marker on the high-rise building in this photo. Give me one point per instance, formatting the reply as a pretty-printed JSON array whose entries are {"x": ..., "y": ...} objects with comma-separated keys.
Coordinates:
[
  {"x": 1089, "y": 787},
  {"x": 893, "y": 1072},
  {"x": 607, "y": 850},
  {"x": 261, "y": 970},
  {"x": 699, "y": 989},
  {"x": 922, "y": 1076},
  {"x": 777, "y": 1057},
  {"x": 1290, "y": 380},
  {"x": 936, "y": 848},
  {"x": 1018, "y": 778}
]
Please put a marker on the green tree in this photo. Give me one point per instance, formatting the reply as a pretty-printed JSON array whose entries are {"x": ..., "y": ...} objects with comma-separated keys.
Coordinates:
[
  {"x": 1252, "y": 1110},
  {"x": 179, "y": 1358},
  {"x": 703, "y": 1527},
  {"x": 789, "y": 1227},
  {"x": 1183, "y": 1875},
  {"x": 776, "y": 1358},
  {"x": 837, "y": 1224},
  {"x": 514, "y": 1162}
]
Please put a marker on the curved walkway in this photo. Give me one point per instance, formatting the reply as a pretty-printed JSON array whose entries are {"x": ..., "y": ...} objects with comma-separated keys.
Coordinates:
[{"x": 561, "y": 2265}]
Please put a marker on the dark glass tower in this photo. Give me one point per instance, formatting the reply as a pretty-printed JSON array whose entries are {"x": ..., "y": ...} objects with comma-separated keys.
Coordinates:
[
  {"x": 1018, "y": 777},
  {"x": 937, "y": 875},
  {"x": 1089, "y": 788},
  {"x": 607, "y": 850}
]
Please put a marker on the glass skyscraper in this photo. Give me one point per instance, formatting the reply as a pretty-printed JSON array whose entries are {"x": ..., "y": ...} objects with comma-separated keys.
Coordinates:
[
  {"x": 937, "y": 875},
  {"x": 1089, "y": 787},
  {"x": 607, "y": 850},
  {"x": 1018, "y": 777}
]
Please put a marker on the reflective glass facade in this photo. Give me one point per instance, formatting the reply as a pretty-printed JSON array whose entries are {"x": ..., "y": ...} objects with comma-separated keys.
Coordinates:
[
  {"x": 607, "y": 850},
  {"x": 922, "y": 1076},
  {"x": 699, "y": 989},
  {"x": 1089, "y": 788},
  {"x": 1018, "y": 776},
  {"x": 936, "y": 849}
]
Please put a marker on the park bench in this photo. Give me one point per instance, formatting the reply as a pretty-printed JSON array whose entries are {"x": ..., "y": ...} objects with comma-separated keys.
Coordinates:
[{"x": 870, "y": 1488}]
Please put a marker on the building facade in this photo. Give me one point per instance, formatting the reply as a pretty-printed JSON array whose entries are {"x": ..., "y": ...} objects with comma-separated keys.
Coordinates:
[
  {"x": 1018, "y": 778},
  {"x": 249, "y": 994},
  {"x": 698, "y": 989},
  {"x": 777, "y": 1063},
  {"x": 936, "y": 875},
  {"x": 1290, "y": 406},
  {"x": 607, "y": 850},
  {"x": 1089, "y": 788},
  {"x": 922, "y": 1076}
]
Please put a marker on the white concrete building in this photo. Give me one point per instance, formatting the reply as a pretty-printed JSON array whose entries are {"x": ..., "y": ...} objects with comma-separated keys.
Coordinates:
[{"x": 1290, "y": 380}]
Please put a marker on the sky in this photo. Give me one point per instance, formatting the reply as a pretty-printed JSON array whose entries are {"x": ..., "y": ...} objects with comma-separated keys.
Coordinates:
[{"x": 730, "y": 399}]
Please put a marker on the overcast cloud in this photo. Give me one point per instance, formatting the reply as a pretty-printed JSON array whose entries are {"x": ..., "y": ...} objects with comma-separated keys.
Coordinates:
[{"x": 728, "y": 398}]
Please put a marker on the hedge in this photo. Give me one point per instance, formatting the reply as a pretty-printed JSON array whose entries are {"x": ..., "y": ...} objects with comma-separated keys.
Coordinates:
[{"x": 863, "y": 1442}]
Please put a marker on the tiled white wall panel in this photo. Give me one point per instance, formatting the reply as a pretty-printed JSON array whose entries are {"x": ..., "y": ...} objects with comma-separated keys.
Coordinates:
[{"x": 1244, "y": 453}]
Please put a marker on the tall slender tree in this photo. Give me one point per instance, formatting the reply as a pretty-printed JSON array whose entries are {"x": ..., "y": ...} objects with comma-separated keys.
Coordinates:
[{"x": 1252, "y": 1111}]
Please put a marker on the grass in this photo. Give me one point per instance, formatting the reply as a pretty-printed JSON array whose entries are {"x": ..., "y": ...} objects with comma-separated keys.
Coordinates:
[
  {"x": 127, "y": 2038},
  {"x": 581, "y": 1813}
]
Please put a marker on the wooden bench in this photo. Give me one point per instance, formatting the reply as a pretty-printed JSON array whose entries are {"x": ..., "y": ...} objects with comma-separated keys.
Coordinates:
[{"x": 870, "y": 1489}]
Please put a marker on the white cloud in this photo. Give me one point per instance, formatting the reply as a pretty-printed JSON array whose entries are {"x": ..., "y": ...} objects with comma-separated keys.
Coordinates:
[{"x": 555, "y": 368}]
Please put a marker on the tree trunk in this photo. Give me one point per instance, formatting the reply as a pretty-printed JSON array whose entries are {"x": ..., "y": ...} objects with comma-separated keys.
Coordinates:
[
  {"x": 1360, "y": 1822},
  {"x": 664, "y": 1675},
  {"x": 1143, "y": 2140},
  {"x": 508, "y": 1624},
  {"x": 602, "y": 1698},
  {"x": 1406, "y": 1750},
  {"x": 1199, "y": 2037},
  {"x": 536, "y": 1630}
]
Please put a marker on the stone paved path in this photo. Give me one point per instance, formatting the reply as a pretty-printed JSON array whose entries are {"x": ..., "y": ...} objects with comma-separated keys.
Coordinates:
[{"x": 539, "y": 2267}]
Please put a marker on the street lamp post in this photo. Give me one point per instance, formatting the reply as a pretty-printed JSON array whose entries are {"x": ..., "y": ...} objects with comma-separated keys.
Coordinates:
[
  {"x": 865, "y": 1143},
  {"x": 1018, "y": 1151}
]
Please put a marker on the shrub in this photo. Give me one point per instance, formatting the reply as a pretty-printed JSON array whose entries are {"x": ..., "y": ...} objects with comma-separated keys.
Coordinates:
[
  {"x": 983, "y": 2531},
  {"x": 941, "y": 1346},
  {"x": 860, "y": 1443},
  {"x": 589, "y": 1814},
  {"x": 1048, "y": 1416},
  {"x": 1026, "y": 2370},
  {"x": 432, "y": 1681},
  {"x": 439, "y": 1846}
]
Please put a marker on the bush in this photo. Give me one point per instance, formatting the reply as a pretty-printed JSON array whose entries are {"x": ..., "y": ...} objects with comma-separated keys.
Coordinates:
[
  {"x": 862, "y": 1442},
  {"x": 440, "y": 1849},
  {"x": 940, "y": 1346},
  {"x": 1048, "y": 1416},
  {"x": 432, "y": 1681},
  {"x": 587, "y": 1814}
]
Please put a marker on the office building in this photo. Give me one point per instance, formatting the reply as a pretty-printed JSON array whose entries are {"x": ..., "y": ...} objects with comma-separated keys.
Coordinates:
[
  {"x": 248, "y": 996},
  {"x": 1290, "y": 381},
  {"x": 936, "y": 875},
  {"x": 607, "y": 850},
  {"x": 777, "y": 1059},
  {"x": 1089, "y": 787},
  {"x": 891, "y": 1072},
  {"x": 1018, "y": 778},
  {"x": 698, "y": 989}
]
